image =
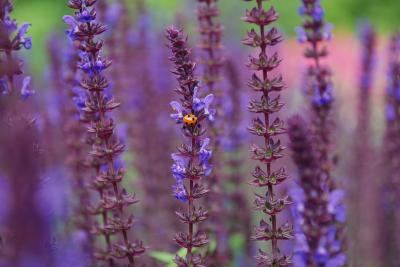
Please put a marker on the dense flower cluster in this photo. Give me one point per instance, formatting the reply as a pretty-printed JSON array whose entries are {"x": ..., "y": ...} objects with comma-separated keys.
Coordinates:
[
  {"x": 191, "y": 162},
  {"x": 106, "y": 148},
  {"x": 315, "y": 207},
  {"x": 268, "y": 104}
]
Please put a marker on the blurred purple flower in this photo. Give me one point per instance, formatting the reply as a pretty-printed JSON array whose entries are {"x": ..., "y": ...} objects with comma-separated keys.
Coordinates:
[
  {"x": 301, "y": 35},
  {"x": 390, "y": 112},
  {"x": 327, "y": 31},
  {"x": 71, "y": 33},
  {"x": 3, "y": 87},
  {"x": 324, "y": 99},
  {"x": 26, "y": 92},
  {"x": 22, "y": 31},
  {"x": 335, "y": 205}
]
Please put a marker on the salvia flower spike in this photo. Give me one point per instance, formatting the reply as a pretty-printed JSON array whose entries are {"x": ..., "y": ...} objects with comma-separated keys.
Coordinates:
[
  {"x": 390, "y": 185},
  {"x": 315, "y": 31},
  {"x": 191, "y": 161},
  {"x": 211, "y": 61},
  {"x": 363, "y": 185},
  {"x": 210, "y": 44},
  {"x": 315, "y": 208},
  {"x": 267, "y": 174},
  {"x": 106, "y": 147}
]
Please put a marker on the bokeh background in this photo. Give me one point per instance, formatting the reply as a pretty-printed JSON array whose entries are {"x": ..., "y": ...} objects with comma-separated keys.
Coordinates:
[{"x": 46, "y": 16}]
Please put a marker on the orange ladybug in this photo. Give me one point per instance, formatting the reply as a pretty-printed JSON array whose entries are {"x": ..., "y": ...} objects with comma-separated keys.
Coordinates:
[{"x": 190, "y": 120}]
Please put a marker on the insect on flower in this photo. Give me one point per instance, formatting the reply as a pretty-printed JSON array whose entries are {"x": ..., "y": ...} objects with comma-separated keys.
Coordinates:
[{"x": 190, "y": 120}]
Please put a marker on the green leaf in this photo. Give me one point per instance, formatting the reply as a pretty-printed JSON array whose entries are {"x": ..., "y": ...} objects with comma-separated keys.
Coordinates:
[
  {"x": 212, "y": 245},
  {"x": 237, "y": 242},
  {"x": 182, "y": 252},
  {"x": 162, "y": 256}
]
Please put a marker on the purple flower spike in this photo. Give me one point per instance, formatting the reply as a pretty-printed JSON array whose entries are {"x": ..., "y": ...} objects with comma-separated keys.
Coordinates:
[
  {"x": 389, "y": 191},
  {"x": 267, "y": 175},
  {"x": 313, "y": 159},
  {"x": 318, "y": 80},
  {"x": 211, "y": 61},
  {"x": 319, "y": 212},
  {"x": 190, "y": 165},
  {"x": 106, "y": 147}
]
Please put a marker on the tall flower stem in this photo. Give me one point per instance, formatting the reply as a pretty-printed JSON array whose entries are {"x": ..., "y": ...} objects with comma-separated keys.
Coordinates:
[
  {"x": 239, "y": 214},
  {"x": 268, "y": 129},
  {"x": 363, "y": 185},
  {"x": 211, "y": 62},
  {"x": 106, "y": 147},
  {"x": 192, "y": 159},
  {"x": 330, "y": 219},
  {"x": 318, "y": 212},
  {"x": 314, "y": 31},
  {"x": 390, "y": 201}
]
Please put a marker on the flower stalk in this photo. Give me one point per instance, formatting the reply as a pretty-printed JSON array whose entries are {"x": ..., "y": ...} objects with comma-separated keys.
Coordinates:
[
  {"x": 314, "y": 32},
  {"x": 316, "y": 210},
  {"x": 326, "y": 245},
  {"x": 390, "y": 187},
  {"x": 106, "y": 147},
  {"x": 269, "y": 129},
  {"x": 363, "y": 186},
  {"x": 192, "y": 159},
  {"x": 211, "y": 61}
]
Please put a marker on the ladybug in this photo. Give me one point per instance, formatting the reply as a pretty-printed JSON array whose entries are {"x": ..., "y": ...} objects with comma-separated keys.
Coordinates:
[{"x": 190, "y": 120}]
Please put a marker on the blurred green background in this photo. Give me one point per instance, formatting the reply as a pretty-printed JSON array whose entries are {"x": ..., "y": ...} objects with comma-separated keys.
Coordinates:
[{"x": 45, "y": 16}]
